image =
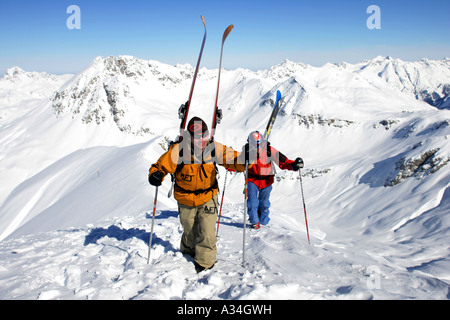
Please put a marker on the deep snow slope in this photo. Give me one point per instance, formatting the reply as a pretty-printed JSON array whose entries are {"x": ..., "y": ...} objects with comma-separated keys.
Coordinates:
[{"x": 75, "y": 201}]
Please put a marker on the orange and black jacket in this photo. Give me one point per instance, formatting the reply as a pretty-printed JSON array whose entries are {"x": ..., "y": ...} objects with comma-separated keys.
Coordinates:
[{"x": 195, "y": 179}]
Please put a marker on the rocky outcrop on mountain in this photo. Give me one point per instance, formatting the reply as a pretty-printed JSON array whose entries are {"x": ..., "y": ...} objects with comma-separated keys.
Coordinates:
[
  {"x": 312, "y": 119},
  {"x": 109, "y": 88},
  {"x": 425, "y": 164}
]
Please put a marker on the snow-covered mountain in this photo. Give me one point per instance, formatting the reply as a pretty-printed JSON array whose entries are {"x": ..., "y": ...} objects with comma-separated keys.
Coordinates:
[
  {"x": 74, "y": 202},
  {"x": 427, "y": 80}
]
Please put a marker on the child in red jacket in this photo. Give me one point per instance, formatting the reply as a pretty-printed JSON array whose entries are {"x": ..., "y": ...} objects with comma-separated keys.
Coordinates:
[{"x": 261, "y": 177}]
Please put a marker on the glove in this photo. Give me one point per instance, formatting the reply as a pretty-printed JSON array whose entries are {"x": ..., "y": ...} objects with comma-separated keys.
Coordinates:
[
  {"x": 156, "y": 178},
  {"x": 298, "y": 164}
]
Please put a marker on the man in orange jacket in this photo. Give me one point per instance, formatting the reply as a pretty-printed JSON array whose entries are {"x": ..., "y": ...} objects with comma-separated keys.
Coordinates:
[
  {"x": 193, "y": 163},
  {"x": 261, "y": 177}
]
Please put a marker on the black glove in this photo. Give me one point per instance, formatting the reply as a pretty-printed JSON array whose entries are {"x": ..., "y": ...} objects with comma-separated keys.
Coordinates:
[
  {"x": 156, "y": 178},
  {"x": 298, "y": 164}
]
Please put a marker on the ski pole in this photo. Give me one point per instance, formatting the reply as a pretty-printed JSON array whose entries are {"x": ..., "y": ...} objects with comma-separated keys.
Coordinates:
[
  {"x": 245, "y": 211},
  {"x": 153, "y": 224},
  {"x": 304, "y": 206},
  {"x": 221, "y": 203}
]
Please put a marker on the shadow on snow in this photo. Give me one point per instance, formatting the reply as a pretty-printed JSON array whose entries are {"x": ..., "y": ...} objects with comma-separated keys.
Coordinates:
[{"x": 122, "y": 234}]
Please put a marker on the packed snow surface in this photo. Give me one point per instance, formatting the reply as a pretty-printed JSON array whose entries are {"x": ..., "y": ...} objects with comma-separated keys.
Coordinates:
[{"x": 76, "y": 206}]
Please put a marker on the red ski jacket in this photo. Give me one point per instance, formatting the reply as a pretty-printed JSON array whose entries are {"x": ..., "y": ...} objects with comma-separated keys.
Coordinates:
[{"x": 262, "y": 172}]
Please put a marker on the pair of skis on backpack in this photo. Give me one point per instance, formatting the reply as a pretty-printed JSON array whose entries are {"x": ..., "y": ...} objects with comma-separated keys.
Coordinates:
[{"x": 183, "y": 112}]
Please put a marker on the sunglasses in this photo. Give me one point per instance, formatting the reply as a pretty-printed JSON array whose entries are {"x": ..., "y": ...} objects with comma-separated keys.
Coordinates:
[{"x": 203, "y": 136}]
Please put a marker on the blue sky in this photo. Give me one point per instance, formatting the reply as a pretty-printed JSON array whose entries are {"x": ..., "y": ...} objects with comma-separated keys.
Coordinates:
[{"x": 34, "y": 34}]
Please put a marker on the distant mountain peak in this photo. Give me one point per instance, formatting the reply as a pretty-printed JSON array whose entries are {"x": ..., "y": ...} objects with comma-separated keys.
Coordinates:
[{"x": 14, "y": 71}]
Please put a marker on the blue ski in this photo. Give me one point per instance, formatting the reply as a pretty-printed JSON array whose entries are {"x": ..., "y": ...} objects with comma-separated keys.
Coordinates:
[{"x": 273, "y": 116}]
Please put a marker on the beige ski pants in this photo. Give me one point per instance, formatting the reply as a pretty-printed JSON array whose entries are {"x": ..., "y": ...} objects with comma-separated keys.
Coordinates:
[{"x": 199, "y": 236}]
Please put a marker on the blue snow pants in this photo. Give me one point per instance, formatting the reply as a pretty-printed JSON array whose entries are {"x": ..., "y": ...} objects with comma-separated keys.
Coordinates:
[{"x": 258, "y": 200}]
